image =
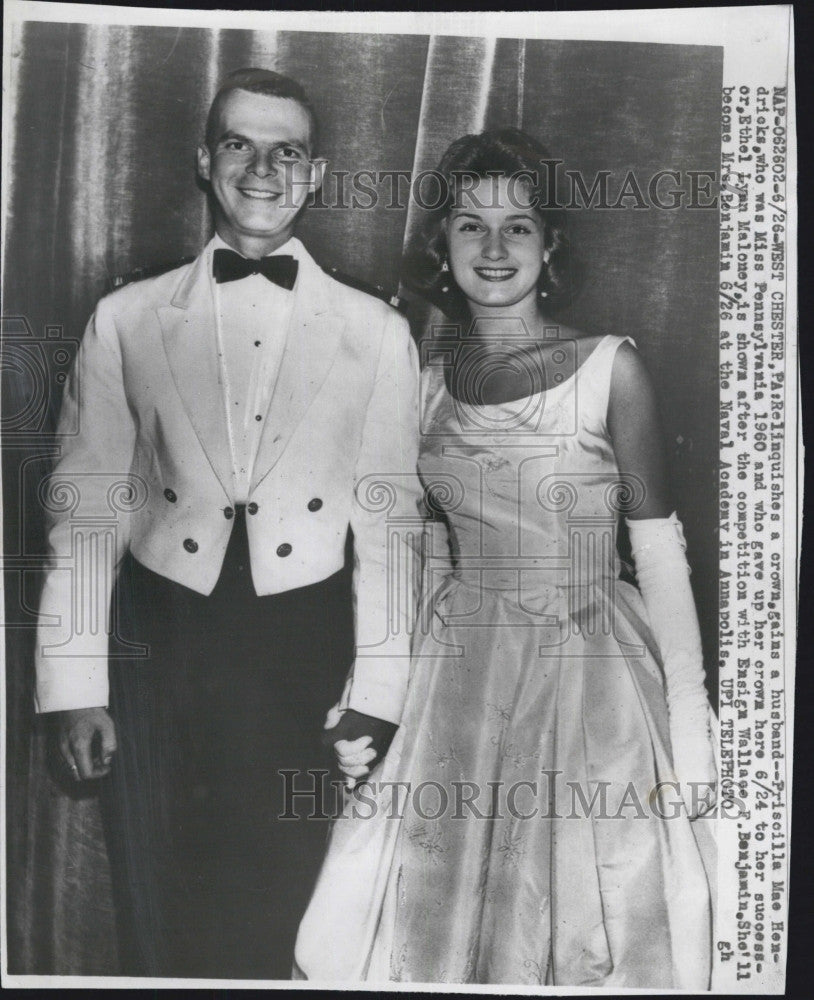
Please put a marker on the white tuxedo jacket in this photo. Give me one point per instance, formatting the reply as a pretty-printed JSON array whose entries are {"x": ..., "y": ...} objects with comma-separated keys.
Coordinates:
[{"x": 150, "y": 469}]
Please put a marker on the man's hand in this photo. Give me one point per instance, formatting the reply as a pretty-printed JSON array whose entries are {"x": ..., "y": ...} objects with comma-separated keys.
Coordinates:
[
  {"x": 359, "y": 741},
  {"x": 87, "y": 742}
]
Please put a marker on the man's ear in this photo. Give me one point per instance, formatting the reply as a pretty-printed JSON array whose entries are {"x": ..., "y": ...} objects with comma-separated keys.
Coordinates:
[
  {"x": 318, "y": 168},
  {"x": 203, "y": 162}
]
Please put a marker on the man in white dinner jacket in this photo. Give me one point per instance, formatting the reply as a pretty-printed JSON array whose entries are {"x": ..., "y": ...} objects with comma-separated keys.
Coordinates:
[{"x": 233, "y": 419}]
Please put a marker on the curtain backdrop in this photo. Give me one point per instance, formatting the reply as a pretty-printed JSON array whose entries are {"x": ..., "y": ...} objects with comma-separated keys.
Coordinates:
[{"x": 102, "y": 182}]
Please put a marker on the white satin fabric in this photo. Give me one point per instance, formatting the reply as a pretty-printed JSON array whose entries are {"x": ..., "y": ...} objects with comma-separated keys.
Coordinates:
[{"x": 536, "y": 689}]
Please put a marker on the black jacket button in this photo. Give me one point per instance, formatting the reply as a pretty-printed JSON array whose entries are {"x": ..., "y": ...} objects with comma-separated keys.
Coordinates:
[
  {"x": 314, "y": 505},
  {"x": 170, "y": 495},
  {"x": 252, "y": 508},
  {"x": 228, "y": 513},
  {"x": 190, "y": 545},
  {"x": 284, "y": 550}
]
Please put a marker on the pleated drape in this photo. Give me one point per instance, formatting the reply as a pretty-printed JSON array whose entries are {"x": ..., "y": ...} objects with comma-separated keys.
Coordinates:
[{"x": 107, "y": 119}]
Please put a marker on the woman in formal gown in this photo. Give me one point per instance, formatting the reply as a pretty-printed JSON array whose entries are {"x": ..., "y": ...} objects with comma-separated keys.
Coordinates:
[{"x": 537, "y": 817}]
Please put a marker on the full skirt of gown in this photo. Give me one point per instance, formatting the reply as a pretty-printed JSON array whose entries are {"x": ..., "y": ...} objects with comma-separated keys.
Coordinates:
[{"x": 523, "y": 828}]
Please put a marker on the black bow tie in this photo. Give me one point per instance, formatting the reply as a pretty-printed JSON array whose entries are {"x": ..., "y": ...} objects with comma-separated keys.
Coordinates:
[{"x": 230, "y": 266}]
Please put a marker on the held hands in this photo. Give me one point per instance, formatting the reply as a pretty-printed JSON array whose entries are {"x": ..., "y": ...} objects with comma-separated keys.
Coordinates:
[
  {"x": 87, "y": 742},
  {"x": 354, "y": 759},
  {"x": 359, "y": 742}
]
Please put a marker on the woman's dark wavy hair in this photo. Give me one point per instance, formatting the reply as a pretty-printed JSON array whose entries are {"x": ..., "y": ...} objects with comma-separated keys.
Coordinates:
[{"x": 504, "y": 151}]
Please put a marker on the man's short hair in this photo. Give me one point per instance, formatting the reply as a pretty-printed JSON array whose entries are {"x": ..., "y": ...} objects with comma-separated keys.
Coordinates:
[{"x": 259, "y": 81}]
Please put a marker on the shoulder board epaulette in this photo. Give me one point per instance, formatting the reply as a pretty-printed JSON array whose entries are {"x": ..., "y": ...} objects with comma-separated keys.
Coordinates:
[
  {"x": 396, "y": 301},
  {"x": 150, "y": 271}
]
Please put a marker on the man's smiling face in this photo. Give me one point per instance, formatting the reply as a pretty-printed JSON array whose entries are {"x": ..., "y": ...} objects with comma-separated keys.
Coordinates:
[{"x": 258, "y": 164}]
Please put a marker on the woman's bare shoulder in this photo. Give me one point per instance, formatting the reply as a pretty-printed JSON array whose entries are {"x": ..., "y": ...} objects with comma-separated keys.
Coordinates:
[
  {"x": 584, "y": 344},
  {"x": 630, "y": 378}
]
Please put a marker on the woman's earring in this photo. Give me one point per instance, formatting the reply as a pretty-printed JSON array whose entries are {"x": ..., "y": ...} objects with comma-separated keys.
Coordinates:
[{"x": 445, "y": 269}]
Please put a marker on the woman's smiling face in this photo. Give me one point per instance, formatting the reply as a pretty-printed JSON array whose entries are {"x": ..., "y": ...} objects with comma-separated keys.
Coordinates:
[{"x": 496, "y": 245}]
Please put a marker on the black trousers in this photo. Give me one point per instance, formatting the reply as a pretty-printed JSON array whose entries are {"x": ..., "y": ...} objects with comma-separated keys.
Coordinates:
[{"x": 210, "y": 881}]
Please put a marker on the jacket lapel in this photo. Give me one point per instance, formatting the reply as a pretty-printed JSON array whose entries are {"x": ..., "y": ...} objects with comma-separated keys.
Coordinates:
[
  {"x": 188, "y": 326},
  {"x": 312, "y": 341}
]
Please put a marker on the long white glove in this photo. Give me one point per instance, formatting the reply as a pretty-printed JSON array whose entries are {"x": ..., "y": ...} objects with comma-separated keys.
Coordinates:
[{"x": 658, "y": 548}]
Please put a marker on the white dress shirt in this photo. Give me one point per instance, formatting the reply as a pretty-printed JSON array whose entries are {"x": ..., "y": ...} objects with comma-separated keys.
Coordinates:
[{"x": 252, "y": 316}]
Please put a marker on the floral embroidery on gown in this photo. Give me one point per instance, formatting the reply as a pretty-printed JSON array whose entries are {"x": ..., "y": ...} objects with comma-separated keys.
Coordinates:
[{"x": 536, "y": 849}]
